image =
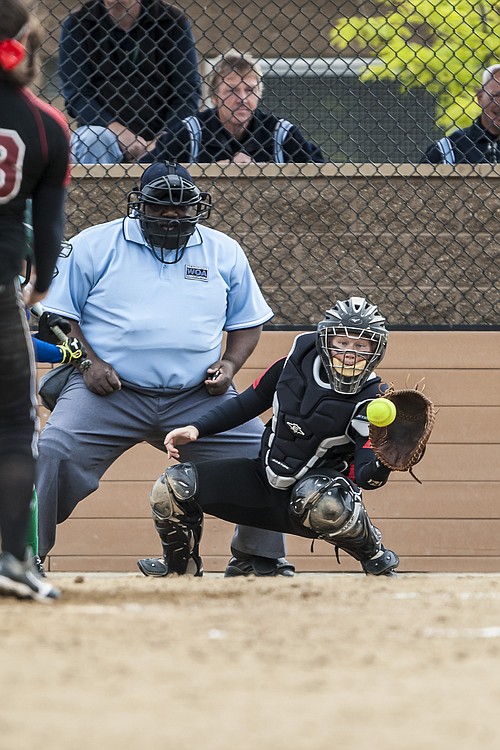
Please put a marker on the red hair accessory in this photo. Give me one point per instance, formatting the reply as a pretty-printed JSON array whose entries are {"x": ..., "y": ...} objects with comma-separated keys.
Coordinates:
[{"x": 11, "y": 53}]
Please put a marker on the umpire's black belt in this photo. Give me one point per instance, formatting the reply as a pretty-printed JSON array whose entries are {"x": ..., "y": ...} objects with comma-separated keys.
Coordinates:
[{"x": 157, "y": 391}]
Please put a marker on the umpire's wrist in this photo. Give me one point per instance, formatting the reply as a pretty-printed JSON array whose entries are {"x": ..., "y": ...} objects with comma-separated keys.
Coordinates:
[{"x": 83, "y": 366}]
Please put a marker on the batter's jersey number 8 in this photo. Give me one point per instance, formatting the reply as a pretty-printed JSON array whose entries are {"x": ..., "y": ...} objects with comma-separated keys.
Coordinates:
[{"x": 12, "y": 151}]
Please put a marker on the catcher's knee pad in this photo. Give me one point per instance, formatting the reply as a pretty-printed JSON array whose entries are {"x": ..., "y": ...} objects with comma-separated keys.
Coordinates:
[
  {"x": 178, "y": 519},
  {"x": 179, "y": 482},
  {"x": 333, "y": 508}
]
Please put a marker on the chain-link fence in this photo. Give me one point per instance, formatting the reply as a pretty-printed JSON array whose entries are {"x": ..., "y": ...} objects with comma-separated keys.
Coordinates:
[{"x": 345, "y": 85}]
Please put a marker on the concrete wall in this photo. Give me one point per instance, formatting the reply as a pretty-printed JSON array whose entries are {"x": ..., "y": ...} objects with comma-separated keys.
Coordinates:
[{"x": 420, "y": 242}]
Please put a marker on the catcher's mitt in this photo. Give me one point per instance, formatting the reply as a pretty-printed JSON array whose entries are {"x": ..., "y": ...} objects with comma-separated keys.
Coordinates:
[{"x": 401, "y": 444}]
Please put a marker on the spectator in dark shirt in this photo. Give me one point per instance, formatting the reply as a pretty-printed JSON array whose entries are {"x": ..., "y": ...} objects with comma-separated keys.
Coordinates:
[
  {"x": 235, "y": 129},
  {"x": 126, "y": 67},
  {"x": 478, "y": 143}
]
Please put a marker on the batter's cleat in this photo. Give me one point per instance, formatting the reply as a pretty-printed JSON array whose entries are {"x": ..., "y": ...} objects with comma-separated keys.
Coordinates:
[
  {"x": 22, "y": 579},
  {"x": 37, "y": 561},
  {"x": 383, "y": 565},
  {"x": 255, "y": 565},
  {"x": 158, "y": 567}
]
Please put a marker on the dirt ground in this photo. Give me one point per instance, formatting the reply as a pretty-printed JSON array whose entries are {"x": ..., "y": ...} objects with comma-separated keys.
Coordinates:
[{"x": 318, "y": 662}]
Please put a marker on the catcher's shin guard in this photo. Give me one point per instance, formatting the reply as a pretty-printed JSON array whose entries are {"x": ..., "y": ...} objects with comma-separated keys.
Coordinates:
[
  {"x": 333, "y": 508},
  {"x": 178, "y": 520}
]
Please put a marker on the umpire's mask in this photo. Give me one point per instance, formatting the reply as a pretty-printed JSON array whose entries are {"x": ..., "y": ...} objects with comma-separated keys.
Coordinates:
[{"x": 168, "y": 206}]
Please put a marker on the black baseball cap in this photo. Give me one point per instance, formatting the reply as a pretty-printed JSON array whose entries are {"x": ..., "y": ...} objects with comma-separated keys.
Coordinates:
[{"x": 163, "y": 169}]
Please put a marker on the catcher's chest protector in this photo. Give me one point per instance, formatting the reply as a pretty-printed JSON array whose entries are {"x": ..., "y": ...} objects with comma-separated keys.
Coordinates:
[{"x": 310, "y": 419}]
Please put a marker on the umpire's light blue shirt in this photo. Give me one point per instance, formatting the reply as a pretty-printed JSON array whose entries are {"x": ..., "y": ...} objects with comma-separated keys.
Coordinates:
[{"x": 158, "y": 325}]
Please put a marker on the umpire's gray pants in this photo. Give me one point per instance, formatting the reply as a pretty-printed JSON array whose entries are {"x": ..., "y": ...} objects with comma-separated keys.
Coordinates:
[{"x": 86, "y": 433}]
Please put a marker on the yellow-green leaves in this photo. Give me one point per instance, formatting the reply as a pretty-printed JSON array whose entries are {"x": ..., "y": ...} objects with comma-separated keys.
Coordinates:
[{"x": 444, "y": 46}]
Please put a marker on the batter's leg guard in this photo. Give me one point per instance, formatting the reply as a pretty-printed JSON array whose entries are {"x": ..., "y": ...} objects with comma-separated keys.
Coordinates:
[
  {"x": 178, "y": 520},
  {"x": 333, "y": 508}
]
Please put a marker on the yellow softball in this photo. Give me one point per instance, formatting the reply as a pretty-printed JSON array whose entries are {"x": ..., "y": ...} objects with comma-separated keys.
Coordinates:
[{"x": 381, "y": 412}]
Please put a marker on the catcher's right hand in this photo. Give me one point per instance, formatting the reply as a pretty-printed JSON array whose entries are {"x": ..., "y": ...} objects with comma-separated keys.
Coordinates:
[
  {"x": 401, "y": 444},
  {"x": 73, "y": 351},
  {"x": 179, "y": 436}
]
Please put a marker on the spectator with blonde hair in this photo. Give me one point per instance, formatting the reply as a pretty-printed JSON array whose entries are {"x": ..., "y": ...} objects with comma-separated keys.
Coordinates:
[{"x": 235, "y": 129}]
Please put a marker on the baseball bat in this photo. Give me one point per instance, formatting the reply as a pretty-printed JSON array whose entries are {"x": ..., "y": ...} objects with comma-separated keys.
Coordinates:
[{"x": 38, "y": 310}]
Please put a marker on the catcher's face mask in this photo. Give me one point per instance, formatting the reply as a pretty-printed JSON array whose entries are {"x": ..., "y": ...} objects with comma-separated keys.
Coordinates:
[{"x": 349, "y": 356}]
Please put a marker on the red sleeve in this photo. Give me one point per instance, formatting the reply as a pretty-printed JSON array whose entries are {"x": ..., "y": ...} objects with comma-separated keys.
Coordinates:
[
  {"x": 269, "y": 378},
  {"x": 59, "y": 145}
]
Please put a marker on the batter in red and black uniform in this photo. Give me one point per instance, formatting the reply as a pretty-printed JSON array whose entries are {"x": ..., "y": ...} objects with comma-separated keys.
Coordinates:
[
  {"x": 315, "y": 454},
  {"x": 34, "y": 156}
]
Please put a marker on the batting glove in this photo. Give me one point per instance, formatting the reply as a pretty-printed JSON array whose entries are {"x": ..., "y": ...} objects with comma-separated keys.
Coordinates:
[
  {"x": 45, "y": 324},
  {"x": 73, "y": 351}
]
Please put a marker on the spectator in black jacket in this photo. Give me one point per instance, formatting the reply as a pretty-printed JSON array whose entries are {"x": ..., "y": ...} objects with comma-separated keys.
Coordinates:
[
  {"x": 235, "y": 129},
  {"x": 126, "y": 67},
  {"x": 478, "y": 143}
]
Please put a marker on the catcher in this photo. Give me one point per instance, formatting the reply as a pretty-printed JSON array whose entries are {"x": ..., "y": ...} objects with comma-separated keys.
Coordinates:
[{"x": 316, "y": 454}]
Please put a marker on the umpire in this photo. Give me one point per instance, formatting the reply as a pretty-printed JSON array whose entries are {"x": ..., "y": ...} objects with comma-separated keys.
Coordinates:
[{"x": 150, "y": 296}]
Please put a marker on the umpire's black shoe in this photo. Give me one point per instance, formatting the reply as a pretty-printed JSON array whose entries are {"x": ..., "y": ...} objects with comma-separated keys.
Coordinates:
[
  {"x": 384, "y": 565},
  {"x": 254, "y": 565}
]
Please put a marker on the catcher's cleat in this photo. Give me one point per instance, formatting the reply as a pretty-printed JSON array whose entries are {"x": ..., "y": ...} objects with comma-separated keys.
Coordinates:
[
  {"x": 254, "y": 565},
  {"x": 21, "y": 579},
  {"x": 383, "y": 565},
  {"x": 158, "y": 567}
]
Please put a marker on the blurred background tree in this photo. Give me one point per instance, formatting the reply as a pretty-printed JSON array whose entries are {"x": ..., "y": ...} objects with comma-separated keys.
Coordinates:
[{"x": 440, "y": 45}]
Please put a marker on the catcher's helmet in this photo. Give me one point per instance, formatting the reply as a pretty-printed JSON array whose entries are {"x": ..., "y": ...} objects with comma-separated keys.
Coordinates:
[
  {"x": 164, "y": 186},
  {"x": 354, "y": 318}
]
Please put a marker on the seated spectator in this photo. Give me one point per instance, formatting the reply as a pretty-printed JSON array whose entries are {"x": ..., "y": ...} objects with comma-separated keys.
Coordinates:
[
  {"x": 235, "y": 129},
  {"x": 478, "y": 143},
  {"x": 126, "y": 67}
]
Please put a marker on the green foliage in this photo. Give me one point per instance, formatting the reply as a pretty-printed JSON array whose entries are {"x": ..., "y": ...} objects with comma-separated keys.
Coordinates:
[{"x": 439, "y": 44}]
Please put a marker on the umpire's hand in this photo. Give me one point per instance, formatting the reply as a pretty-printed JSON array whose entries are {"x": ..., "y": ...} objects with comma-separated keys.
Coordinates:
[
  {"x": 101, "y": 378},
  {"x": 220, "y": 375}
]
